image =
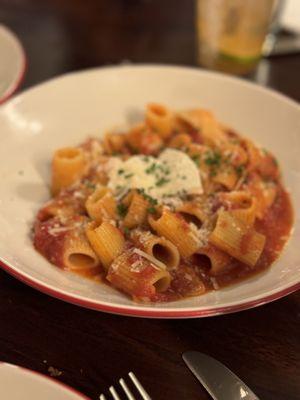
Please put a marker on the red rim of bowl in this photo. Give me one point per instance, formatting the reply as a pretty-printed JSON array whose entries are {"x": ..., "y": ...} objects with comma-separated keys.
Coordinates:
[
  {"x": 54, "y": 381},
  {"x": 17, "y": 82},
  {"x": 148, "y": 313}
]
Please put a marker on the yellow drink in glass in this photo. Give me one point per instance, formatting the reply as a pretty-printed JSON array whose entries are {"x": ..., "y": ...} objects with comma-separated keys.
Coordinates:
[{"x": 231, "y": 33}]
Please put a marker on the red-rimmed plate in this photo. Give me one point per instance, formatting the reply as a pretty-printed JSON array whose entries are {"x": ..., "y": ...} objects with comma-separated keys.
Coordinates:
[
  {"x": 65, "y": 110},
  {"x": 12, "y": 65},
  {"x": 19, "y": 383}
]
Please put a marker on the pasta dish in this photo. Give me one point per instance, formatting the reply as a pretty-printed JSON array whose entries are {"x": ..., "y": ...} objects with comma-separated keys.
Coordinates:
[{"x": 175, "y": 206}]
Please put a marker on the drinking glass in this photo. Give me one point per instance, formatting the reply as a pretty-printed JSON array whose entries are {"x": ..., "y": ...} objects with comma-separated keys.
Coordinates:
[{"x": 231, "y": 33}]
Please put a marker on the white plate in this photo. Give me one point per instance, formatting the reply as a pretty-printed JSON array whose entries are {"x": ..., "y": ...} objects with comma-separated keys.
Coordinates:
[
  {"x": 65, "y": 110},
  {"x": 12, "y": 65},
  {"x": 18, "y": 383}
]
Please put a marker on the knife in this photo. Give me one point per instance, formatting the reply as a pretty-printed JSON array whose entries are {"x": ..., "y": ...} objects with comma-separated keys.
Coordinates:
[{"x": 218, "y": 380}]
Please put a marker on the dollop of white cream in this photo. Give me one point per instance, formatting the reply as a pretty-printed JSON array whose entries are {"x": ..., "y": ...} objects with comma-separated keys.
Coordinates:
[{"x": 171, "y": 174}]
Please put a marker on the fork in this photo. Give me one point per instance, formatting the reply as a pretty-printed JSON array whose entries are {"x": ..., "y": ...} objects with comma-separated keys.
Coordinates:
[{"x": 130, "y": 396}]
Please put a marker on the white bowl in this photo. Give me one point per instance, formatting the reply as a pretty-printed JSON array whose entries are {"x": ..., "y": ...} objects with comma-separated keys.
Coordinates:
[
  {"x": 22, "y": 384},
  {"x": 65, "y": 110},
  {"x": 12, "y": 65}
]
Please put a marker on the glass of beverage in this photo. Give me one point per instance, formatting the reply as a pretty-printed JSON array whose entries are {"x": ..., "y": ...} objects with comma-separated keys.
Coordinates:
[{"x": 231, "y": 33}]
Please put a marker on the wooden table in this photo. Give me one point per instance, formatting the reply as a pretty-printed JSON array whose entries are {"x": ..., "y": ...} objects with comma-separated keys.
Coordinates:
[{"x": 93, "y": 349}]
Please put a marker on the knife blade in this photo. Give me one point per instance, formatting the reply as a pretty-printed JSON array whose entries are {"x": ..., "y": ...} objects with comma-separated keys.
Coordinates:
[{"x": 218, "y": 380}]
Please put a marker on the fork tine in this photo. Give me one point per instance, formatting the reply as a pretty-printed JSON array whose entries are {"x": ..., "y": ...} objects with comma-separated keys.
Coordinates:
[
  {"x": 126, "y": 389},
  {"x": 102, "y": 397},
  {"x": 139, "y": 386},
  {"x": 114, "y": 393}
]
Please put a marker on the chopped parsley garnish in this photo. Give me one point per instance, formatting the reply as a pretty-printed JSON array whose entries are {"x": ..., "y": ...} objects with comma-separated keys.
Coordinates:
[
  {"x": 126, "y": 230},
  {"x": 146, "y": 196},
  {"x": 122, "y": 209},
  {"x": 120, "y": 171},
  {"x": 240, "y": 169},
  {"x": 89, "y": 184},
  {"x": 164, "y": 169},
  {"x": 151, "y": 210},
  {"x": 213, "y": 159},
  {"x": 162, "y": 181},
  {"x": 134, "y": 149},
  {"x": 151, "y": 169},
  {"x": 127, "y": 176},
  {"x": 152, "y": 200},
  {"x": 196, "y": 158}
]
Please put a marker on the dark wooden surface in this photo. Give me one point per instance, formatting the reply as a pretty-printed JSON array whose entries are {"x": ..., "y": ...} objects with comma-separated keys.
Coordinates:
[{"x": 93, "y": 349}]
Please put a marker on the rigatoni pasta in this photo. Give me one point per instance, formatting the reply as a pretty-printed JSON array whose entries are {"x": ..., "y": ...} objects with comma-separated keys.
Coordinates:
[
  {"x": 176, "y": 229},
  {"x": 137, "y": 275},
  {"x": 136, "y": 213},
  {"x": 101, "y": 205},
  {"x": 106, "y": 240},
  {"x": 68, "y": 165},
  {"x": 158, "y": 247},
  {"x": 237, "y": 238},
  {"x": 172, "y": 207}
]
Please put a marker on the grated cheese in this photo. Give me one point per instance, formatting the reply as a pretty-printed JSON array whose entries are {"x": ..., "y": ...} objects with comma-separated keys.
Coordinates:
[
  {"x": 214, "y": 283},
  {"x": 78, "y": 195},
  {"x": 188, "y": 277},
  {"x": 200, "y": 235},
  {"x": 137, "y": 266},
  {"x": 143, "y": 236},
  {"x": 156, "y": 263},
  {"x": 53, "y": 231}
]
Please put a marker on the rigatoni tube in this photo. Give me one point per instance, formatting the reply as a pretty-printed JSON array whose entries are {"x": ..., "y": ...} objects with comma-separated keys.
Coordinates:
[
  {"x": 106, "y": 240},
  {"x": 238, "y": 239},
  {"x": 68, "y": 165}
]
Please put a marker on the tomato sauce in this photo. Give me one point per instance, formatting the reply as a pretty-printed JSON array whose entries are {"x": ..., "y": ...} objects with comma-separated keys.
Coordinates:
[{"x": 276, "y": 226}]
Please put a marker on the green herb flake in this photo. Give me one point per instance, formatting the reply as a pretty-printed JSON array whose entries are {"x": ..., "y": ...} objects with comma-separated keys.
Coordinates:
[
  {"x": 122, "y": 209},
  {"x": 146, "y": 196},
  {"x": 90, "y": 185},
  {"x": 151, "y": 210},
  {"x": 196, "y": 158},
  {"x": 239, "y": 170},
  {"x": 121, "y": 171},
  {"x": 151, "y": 169},
  {"x": 126, "y": 231},
  {"x": 127, "y": 176},
  {"x": 213, "y": 159},
  {"x": 162, "y": 181}
]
